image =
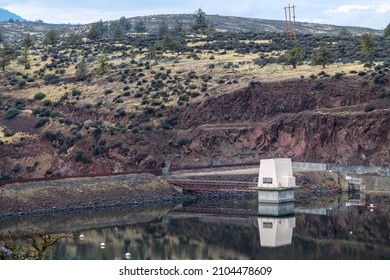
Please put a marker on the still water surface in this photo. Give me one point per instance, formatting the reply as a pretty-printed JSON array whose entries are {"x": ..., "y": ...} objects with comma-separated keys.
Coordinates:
[{"x": 332, "y": 227}]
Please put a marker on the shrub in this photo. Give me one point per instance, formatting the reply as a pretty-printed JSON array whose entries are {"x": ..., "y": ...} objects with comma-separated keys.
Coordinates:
[
  {"x": 11, "y": 113},
  {"x": 49, "y": 135},
  {"x": 121, "y": 113},
  {"x": 338, "y": 75},
  {"x": 148, "y": 111},
  {"x": 16, "y": 168},
  {"x": 118, "y": 144},
  {"x": 369, "y": 107},
  {"x": 41, "y": 122},
  {"x": 50, "y": 78},
  {"x": 47, "y": 103},
  {"x": 317, "y": 86},
  {"x": 252, "y": 84},
  {"x": 75, "y": 92},
  {"x": 362, "y": 73},
  {"x": 183, "y": 141},
  {"x": 184, "y": 97},
  {"x": 379, "y": 79},
  {"x": 39, "y": 96},
  {"x": 8, "y": 132},
  {"x": 22, "y": 82},
  {"x": 80, "y": 156},
  {"x": 108, "y": 91}
]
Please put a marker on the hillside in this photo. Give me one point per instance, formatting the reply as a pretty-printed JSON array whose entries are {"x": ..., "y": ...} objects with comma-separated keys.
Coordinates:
[
  {"x": 16, "y": 31},
  {"x": 218, "y": 98},
  {"x": 7, "y": 15}
]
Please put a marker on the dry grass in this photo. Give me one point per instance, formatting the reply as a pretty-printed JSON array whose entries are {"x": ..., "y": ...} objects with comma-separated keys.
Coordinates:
[
  {"x": 14, "y": 139},
  {"x": 243, "y": 72}
]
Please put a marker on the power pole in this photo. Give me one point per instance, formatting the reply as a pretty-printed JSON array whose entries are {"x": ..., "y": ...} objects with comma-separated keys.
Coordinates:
[
  {"x": 285, "y": 12},
  {"x": 289, "y": 14},
  {"x": 289, "y": 28},
  {"x": 295, "y": 25}
]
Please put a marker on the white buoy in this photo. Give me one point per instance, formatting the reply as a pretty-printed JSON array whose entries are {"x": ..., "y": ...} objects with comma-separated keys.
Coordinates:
[
  {"x": 128, "y": 256},
  {"x": 81, "y": 237},
  {"x": 350, "y": 232},
  {"x": 102, "y": 245}
]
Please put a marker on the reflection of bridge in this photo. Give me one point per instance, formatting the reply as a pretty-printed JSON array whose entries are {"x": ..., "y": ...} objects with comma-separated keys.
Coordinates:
[
  {"x": 214, "y": 186},
  {"x": 213, "y": 211}
]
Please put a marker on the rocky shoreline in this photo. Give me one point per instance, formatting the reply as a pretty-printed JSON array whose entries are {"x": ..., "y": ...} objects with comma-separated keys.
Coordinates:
[
  {"x": 80, "y": 194},
  {"x": 84, "y": 193}
]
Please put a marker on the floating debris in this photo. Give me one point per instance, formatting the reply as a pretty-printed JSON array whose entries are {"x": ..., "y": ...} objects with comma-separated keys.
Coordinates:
[
  {"x": 102, "y": 245},
  {"x": 128, "y": 256},
  {"x": 81, "y": 237}
]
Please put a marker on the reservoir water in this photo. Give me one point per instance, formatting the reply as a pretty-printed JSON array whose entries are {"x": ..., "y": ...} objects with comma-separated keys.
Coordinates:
[{"x": 327, "y": 227}]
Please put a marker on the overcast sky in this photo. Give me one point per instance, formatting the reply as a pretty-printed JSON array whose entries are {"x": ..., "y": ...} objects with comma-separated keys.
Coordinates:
[{"x": 364, "y": 13}]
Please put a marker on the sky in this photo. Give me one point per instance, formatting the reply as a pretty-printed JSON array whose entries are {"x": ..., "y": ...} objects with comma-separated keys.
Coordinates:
[{"x": 363, "y": 13}]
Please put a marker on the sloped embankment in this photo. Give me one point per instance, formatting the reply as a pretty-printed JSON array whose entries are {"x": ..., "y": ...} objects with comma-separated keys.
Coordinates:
[{"x": 84, "y": 193}]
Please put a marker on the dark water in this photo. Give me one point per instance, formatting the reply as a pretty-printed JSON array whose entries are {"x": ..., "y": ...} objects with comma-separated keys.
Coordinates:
[{"x": 322, "y": 228}]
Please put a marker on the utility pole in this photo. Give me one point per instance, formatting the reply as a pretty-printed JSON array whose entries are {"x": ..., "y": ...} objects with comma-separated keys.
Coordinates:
[
  {"x": 289, "y": 28},
  {"x": 285, "y": 12},
  {"x": 289, "y": 15},
  {"x": 295, "y": 25}
]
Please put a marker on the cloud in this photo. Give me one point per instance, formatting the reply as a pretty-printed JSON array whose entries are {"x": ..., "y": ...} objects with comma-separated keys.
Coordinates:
[
  {"x": 349, "y": 8},
  {"x": 383, "y": 9},
  {"x": 69, "y": 14}
]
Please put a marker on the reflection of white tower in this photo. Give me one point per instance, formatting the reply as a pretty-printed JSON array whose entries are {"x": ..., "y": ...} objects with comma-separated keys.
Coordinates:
[{"x": 276, "y": 232}]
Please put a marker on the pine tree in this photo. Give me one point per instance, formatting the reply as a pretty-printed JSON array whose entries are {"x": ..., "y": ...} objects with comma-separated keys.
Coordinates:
[
  {"x": 102, "y": 65},
  {"x": 170, "y": 44},
  {"x": 140, "y": 26},
  {"x": 94, "y": 32},
  {"x": 163, "y": 29},
  {"x": 118, "y": 32},
  {"x": 73, "y": 39},
  {"x": 368, "y": 47},
  {"x": 294, "y": 56},
  {"x": 125, "y": 23},
  {"x": 28, "y": 41},
  {"x": 24, "y": 58},
  {"x": 52, "y": 37},
  {"x": 386, "y": 32},
  {"x": 322, "y": 56},
  {"x": 81, "y": 70},
  {"x": 200, "y": 22},
  {"x": 7, "y": 54}
]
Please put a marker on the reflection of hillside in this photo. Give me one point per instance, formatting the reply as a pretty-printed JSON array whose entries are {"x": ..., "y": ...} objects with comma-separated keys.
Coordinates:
[
  {"x": 238, "y": 238},
  {"x": 344, "y": 233},
  {"x": 152, "y": 241},
  {"x": 86, "y": 219}
]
